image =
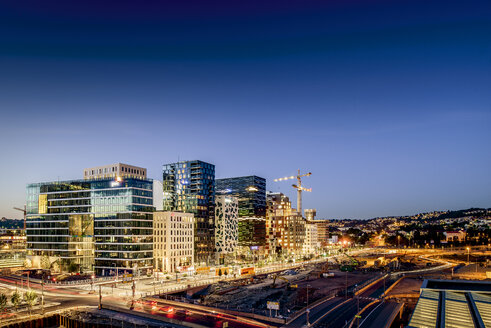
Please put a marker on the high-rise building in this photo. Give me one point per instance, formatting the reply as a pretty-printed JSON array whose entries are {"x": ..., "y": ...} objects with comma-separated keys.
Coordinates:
[
  {"x": 285, "y": 227},
  {"x": 226, "y": 224},
  {"x": 189, "y": 187},
  {"x": 173, "y": 241},
  {"x": 114, "y": 171},
  {"x": 251, "y": 193},
  {"x": 99, "y": 225}
]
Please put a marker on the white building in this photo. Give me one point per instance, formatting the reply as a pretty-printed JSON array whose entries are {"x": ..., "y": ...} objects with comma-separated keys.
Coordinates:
[
  {"x": 115, "y": 171},
  {"x": 158, "y": 195},
  {"x": 226, "y": 224},
  {"x": 173, "y": 241},
  {"x": 334, "y": 239},
  {"x": 311, "y": 243}
]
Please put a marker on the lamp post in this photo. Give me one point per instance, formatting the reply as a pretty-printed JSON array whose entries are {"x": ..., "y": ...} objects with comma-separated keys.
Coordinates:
[{"x": 468, "y": 255}]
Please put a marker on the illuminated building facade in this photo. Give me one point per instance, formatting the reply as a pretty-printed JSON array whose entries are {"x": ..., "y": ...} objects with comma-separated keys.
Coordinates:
[
  {"x": 285, "y": 227},
  {"x": 189, "y": 187},
  {"x": 173, "y": 241},
  {"x": 114, "y": 171},
  {"x": 323, "y": 232},
  {"x": 91, "y": 225},
  {"x": 311, "y": 243},
  {"x": 226, "y": 224},
  {"x": 251, "y": 194}
]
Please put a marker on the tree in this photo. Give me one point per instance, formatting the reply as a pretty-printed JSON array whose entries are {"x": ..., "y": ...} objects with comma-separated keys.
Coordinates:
[
  {"x": 15, "y": 299},
  {"x": 30, "y": 297},
  {"x": 45, "y": 263},
  {"x": 27, "y": 263},
  {"x": 3, "y": 301},
  {"x": 72, "y": 267}
]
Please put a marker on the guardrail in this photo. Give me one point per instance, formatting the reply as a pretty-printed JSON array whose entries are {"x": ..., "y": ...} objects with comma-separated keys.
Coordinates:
[{"x": 70, "y": 283}]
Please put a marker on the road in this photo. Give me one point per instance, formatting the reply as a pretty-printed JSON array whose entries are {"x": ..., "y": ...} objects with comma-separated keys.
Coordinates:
[
  {"x": 70, "y": 298},
  {"x": 342, "y": 316},
  {"x": 379, "y": 315}
]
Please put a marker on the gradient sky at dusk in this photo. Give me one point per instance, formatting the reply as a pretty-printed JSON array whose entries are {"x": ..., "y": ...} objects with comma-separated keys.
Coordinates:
[{"x": 387, "y": 103}]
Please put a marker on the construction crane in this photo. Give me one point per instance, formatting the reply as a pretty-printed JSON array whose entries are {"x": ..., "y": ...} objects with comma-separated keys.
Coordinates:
[
  {"x": 297, "y": 186},
  {"x": 23, "y": 210}
]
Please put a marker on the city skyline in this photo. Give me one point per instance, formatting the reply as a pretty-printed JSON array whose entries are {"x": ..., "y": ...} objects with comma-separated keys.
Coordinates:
[{"x": 387, "y": 104}]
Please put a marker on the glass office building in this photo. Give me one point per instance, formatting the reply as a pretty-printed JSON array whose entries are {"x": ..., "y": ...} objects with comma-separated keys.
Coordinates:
[
  {"x": 189, "y": 187},
  {"x": 251, "y": 193},
  {"x": 100, "y": 225}
]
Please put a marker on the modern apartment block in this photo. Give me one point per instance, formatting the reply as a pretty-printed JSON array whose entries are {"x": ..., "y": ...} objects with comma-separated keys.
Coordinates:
[
  {"x": 114, "y": 171},
  {"x": 285, "y": 227},
  {"x": 189, "y": 187},
  {"x": 311, "y": 243},
  {"x": 173, "y": 241},
  {"x": 226, "y": 224},
  {"x": 251, "y": 193},
  {"x": 100, "y": 225},
  {"x": 322, "y": 232}
]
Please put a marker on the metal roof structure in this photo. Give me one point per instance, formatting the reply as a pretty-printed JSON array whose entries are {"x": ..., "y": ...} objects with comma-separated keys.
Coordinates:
[{"x": 453, "y": 304}]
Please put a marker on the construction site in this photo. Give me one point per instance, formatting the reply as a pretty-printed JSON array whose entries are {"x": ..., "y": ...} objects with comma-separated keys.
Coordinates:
[{"x": 296, "y": 288}]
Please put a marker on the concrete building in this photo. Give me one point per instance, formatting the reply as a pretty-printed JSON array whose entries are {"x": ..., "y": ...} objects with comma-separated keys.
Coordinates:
[
  {"x": 114, "y": 171},
  {"x": 454, "y": 236},
  {"x": 226, "y": 225},
  {"x": 322, "y": 232},
  {"x": 173, "y": 241},
  {"x": 285, "y": 227},
  {"x": 311, "y": 243},
  {"x": 96, "y": 224},
  {"x": 310, "y": 214}
]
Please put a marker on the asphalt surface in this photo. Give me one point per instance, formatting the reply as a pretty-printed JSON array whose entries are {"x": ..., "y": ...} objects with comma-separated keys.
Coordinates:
[
  {"x": 70, "y": 299},
  {"x": 378, "y": 315},
  {"x": 315, "y": 313},
  {"x": 343, "y": 315}
]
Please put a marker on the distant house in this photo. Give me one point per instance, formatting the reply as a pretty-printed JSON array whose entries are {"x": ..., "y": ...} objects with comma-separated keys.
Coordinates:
[{"x": 455, "y": 235}]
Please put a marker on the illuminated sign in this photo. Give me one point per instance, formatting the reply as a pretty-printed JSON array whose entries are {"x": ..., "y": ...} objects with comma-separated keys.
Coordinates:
[{"x": 246, "y": 271}]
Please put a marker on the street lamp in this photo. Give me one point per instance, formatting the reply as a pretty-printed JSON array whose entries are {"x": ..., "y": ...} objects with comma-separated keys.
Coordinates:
[{"x": 468, "y": 254}]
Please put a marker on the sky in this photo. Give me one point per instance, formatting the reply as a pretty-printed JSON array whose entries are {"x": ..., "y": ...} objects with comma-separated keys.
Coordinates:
[{"x": 387, "y": 103}]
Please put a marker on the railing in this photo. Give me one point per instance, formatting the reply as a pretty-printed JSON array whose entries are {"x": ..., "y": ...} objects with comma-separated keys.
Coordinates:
[{"x": 72, "y": 282}]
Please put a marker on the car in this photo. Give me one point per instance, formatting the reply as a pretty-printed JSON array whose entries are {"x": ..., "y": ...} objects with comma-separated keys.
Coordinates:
[
  {"x": 183, "y": 312},
  {"x": 166, "y": 309},
  {"x": 144, "y": 305}
]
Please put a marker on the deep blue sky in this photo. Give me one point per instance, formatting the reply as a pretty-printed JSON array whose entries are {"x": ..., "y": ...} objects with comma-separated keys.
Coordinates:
[{"x": 388, "y": 103}]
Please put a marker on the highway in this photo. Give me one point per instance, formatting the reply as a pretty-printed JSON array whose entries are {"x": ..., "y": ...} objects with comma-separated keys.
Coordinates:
[
  {"x": 316, "y": 312},
  {"x": 380, "y": 315},
  {"x": 343, "y": 315}
]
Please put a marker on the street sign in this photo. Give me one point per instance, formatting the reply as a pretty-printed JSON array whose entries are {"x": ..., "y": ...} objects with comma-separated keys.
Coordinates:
[
  {"x": 127, "y": 278},
  {"x": 273, "y": 305}
]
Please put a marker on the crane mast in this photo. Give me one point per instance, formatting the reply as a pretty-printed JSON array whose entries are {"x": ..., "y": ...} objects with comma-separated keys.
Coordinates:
[
  {"x": 24, "y": 210},
  {"x": 298, "y": 186}
]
